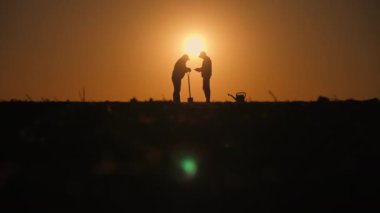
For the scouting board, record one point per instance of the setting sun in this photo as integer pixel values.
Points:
(193, 45)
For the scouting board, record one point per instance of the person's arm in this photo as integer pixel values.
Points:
(185, 70)
(200, 69)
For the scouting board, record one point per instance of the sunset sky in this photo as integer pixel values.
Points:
(119, 49)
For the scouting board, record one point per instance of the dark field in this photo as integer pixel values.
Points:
(269, 157)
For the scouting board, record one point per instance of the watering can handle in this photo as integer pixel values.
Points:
(241, 93)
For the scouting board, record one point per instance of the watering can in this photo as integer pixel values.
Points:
(239, 98)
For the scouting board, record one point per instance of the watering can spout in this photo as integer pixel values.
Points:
(232, 96)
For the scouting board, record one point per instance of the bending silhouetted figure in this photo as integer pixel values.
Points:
(180, 69)
(206, 71)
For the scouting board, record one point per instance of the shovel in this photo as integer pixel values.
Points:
(190, 99)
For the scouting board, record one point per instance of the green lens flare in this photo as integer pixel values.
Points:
(189, 166)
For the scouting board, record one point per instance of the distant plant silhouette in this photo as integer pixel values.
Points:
(323, 99)
(82, 95)
(133, 100)
(273, 96)
(28, 97)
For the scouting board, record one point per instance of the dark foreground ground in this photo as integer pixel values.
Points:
(269, 157)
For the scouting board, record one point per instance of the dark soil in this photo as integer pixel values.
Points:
(269, 157)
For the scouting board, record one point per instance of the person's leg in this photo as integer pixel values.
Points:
(206, 89)
(177, 90)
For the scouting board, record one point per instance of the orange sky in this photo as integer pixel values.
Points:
(122, 49)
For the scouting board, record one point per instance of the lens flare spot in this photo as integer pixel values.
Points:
(189, 167)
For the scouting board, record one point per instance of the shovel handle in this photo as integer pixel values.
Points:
(188, 82)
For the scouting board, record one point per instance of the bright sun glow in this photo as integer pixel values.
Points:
(193, 45)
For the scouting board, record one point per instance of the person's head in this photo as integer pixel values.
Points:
(185, 57)
(202, 55)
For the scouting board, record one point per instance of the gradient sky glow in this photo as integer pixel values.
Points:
(117, 49)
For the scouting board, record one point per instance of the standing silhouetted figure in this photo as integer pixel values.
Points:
(206, 71)
(180, 69)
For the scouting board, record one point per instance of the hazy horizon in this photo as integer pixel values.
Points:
(118, 50)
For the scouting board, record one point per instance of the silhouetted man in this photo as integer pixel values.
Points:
(180, 69)
(206, 71)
